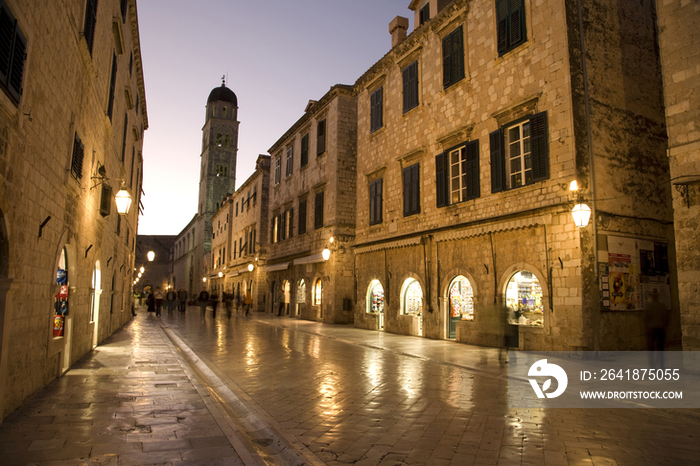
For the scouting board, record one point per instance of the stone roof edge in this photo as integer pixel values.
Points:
(315, 108)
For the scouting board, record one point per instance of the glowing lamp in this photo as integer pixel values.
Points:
(123, 200)
(326, 254)
(581, 214)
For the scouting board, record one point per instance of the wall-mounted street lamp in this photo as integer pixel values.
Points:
(151, 255)
(122, 198)
(250, 267)
(204, 279)
(221, 274)
(142, 269)
(326, 254)
(581, 212)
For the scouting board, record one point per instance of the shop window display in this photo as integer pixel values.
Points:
(301, 291)
(524, 300)
(375, 297)
(61, 299)
(412, 298)
(461, 296)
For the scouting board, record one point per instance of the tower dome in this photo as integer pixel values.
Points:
(222, 94)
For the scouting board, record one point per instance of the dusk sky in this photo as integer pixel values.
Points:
(277, 55)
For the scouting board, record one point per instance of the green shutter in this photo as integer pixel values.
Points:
(471, 168)
(497, 162)
(539, 147)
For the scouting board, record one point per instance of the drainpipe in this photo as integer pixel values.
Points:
(591, 167)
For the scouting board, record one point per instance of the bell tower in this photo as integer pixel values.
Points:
(217, 175)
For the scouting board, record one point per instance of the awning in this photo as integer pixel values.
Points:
(312, 259)
(276, 267)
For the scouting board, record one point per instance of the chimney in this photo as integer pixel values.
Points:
(397, 29)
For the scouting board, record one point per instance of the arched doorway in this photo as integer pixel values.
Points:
(287, 290)
(412, 303)
(460, 303)
(95, 292)
(301, 297)
(375, 302)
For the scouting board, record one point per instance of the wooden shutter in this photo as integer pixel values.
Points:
(304, 150)
(457, 55)
(497, 162)
(441, 180)
(19, 55)
(415, 189)
(321, 137)
(90, 21)
(502, 25)
(372, 207)
(7, 28)
(290, 223)
(539, 147)
(106, 200)
(13, 53)
(112, 85)
(283, 225)
(410, 86)
(126, 125)
(517, 23)
(447, 61)
(302, 217)
(318, 210)
(471, 168)
(376, 99)
(411, 190)
(76, 167)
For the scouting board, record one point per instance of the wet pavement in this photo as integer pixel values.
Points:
(186, 390)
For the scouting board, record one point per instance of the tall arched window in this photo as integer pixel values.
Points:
(524, 300)
(461, 299)
(411, 298)
(317, 292)
(375, 297)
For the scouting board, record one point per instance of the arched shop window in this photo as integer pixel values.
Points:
(524, 300)
(461, 296)
(375, 297)
(411, 298)
(301, 291)
(317, 292)
(61, 300)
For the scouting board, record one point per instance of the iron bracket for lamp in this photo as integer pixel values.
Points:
(43, 224)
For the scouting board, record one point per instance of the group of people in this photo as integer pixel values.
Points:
(212, 299)
(154, 300)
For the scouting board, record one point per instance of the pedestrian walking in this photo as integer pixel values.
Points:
(203, 301)
(248, 302)
(182, 296)
(151, 303)
(159, 296)
(214, 301)
(170, 300)
(228, 302)
(656, 316)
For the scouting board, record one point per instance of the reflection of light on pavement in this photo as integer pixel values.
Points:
(328, 392)
(373, 372)
(408, 388)
(219, 336)
(250, 358)
(315, 348)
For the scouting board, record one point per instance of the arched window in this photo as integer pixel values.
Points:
(375, 297)
(461, 299)
(317, 292)
(524, 300)
(411, 298)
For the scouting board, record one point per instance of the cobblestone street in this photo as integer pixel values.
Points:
(283, 391)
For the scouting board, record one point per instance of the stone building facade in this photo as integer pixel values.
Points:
(312, 208)
(239, 239)
(680, 58)
(72, 117)
(469, 133)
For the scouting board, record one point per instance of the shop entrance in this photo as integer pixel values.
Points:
(460, 304)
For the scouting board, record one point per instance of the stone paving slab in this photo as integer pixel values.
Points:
(353, 396)
(131, 401)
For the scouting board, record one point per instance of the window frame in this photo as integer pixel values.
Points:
(321, 130)
(304, 150)
(376, 202)
(409, 76)
(289, 162)
(411, 190)
(453, 58)
(376, 100)
(469, 174)
(301, 229)
(511, 30)
(278, 170)
(12, 76)
(318, 210)
(90, 24)
(539, 152)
